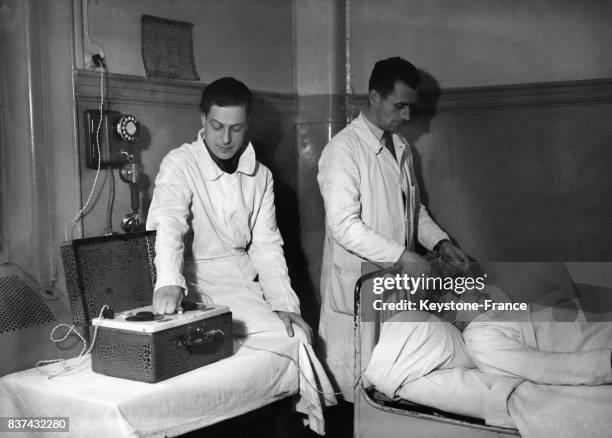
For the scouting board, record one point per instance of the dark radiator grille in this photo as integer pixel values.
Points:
(20, 306)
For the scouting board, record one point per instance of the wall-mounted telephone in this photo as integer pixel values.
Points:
(114, 137)
(116, 133)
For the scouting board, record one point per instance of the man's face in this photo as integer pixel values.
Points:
(392, 111)
(225, 129)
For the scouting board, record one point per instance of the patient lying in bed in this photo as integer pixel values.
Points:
(504, 365)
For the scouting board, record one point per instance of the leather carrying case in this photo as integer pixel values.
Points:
(119, 271)
(176, 344)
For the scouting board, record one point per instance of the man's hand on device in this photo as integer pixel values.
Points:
(167, 299)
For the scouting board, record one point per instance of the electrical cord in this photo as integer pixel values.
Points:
(286, 356)
(63, 367)
(73, 222)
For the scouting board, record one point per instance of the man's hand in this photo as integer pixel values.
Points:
(290, 318)
(167, 299)
(454, 256)
(413, 264)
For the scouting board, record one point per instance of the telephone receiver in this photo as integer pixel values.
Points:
(114, 136)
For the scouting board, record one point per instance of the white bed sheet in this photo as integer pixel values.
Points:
(464, 391)
(102, 406)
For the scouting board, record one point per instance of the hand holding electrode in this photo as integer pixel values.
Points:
(167, 300)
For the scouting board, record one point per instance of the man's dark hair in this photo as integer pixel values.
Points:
(225, 92)
(389, 70)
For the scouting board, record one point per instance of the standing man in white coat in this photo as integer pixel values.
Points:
(373, 212)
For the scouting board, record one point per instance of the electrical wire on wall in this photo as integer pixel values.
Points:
(69, 229)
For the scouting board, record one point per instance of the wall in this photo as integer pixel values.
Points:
(466, 43)
(251, 41)
(320, 82)
(521, 173)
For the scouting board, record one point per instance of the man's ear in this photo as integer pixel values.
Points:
(373, 96)
(203, 118)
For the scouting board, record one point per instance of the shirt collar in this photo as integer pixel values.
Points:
(209, 168)
(373, 134)
(378, 133)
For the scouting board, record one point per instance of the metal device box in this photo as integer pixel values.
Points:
(151, 351)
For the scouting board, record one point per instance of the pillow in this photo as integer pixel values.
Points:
(411, 345)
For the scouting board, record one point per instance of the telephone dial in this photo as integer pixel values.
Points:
(116, 133)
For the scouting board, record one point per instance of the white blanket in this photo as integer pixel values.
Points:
(464, 391)
(530, 345)
(562, 411)
(529, 364)
(566, 366)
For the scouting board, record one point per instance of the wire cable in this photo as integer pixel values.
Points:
(63, 367)
(73, 222)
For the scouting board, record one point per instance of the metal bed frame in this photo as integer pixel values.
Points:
(376, 415)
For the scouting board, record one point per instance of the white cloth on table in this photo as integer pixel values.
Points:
(103, 406)
(365, 220)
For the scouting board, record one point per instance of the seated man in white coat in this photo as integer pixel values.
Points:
(373, 212)
(217, 238)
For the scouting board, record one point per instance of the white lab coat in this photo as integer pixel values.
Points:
(228, 224)
(365, 221)
(223, 226)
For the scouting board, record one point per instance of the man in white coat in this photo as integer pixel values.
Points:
(373, 211)
(217, 238)
(217, 197)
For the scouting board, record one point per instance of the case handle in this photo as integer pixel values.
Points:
(203, 342)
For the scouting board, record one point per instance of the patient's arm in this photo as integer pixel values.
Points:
(497, 348)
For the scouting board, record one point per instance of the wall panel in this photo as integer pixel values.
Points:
(472, 43)
(519, 172)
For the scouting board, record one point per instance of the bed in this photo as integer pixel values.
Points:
(102, 406)
(451, 397)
